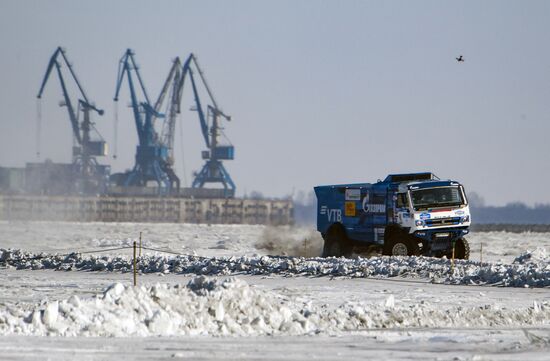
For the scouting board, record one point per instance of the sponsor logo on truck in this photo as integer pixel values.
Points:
(353, 194)
(349, 210)
(424, 216)
(333, 215)
(371, 207)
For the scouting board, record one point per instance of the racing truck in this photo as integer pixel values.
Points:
(403, 215)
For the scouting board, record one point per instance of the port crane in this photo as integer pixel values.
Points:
(173, 107)
(90, 176)
(213, 170)
(153, 161)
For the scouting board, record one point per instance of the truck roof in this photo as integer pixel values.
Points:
(414, 180)
(409, 177)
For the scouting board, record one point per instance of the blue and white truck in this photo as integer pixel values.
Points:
(405, 214)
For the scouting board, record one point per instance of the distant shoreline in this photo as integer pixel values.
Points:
(509, 227)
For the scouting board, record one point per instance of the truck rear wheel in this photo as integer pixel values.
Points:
(462, 249)
(337, 243)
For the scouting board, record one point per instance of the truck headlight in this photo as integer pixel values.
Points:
(466, 218)
(419, 223)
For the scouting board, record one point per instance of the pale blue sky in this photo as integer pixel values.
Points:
(320, 91)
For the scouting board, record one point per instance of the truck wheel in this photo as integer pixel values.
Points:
(400, 244)
(337, 243)
(399, 248)
(462, 249)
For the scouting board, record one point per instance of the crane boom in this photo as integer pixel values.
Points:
(82, 92)
(69, 105)
(210, 94)
(172, 75)
(169, 126)
(125, 68)
(73, 116)
(200, 111)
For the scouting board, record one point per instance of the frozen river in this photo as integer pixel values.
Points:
(300, 316)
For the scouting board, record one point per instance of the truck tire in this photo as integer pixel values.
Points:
(337, 244)
(399, 243)
(462, 249)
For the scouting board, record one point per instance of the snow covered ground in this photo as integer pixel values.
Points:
(221, 240)
(246, 305)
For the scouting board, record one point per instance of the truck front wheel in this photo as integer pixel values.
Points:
(462, 249)
(397, 243)
(337, 243)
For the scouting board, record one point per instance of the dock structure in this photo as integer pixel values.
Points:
(146, 209)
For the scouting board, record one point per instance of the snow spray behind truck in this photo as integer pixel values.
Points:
(405, 214)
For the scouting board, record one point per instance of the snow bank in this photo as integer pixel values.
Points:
(230, 307)
(530, 269)
(539, 255)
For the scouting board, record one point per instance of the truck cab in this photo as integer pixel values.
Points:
(405, 214)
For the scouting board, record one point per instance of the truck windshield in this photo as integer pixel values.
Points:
(436, 197)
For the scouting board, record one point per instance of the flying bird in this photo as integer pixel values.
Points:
(460, 59)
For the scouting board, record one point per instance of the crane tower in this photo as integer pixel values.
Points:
(88, 176)
(213, 171)
(153, 162)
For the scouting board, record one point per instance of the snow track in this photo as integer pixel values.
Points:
(531, 269)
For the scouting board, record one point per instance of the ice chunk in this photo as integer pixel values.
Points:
(49, 317)
(390, 302)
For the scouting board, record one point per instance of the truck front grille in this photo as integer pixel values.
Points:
(440, 244)
(442, 221)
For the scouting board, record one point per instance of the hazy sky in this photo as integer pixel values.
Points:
(320, 91)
